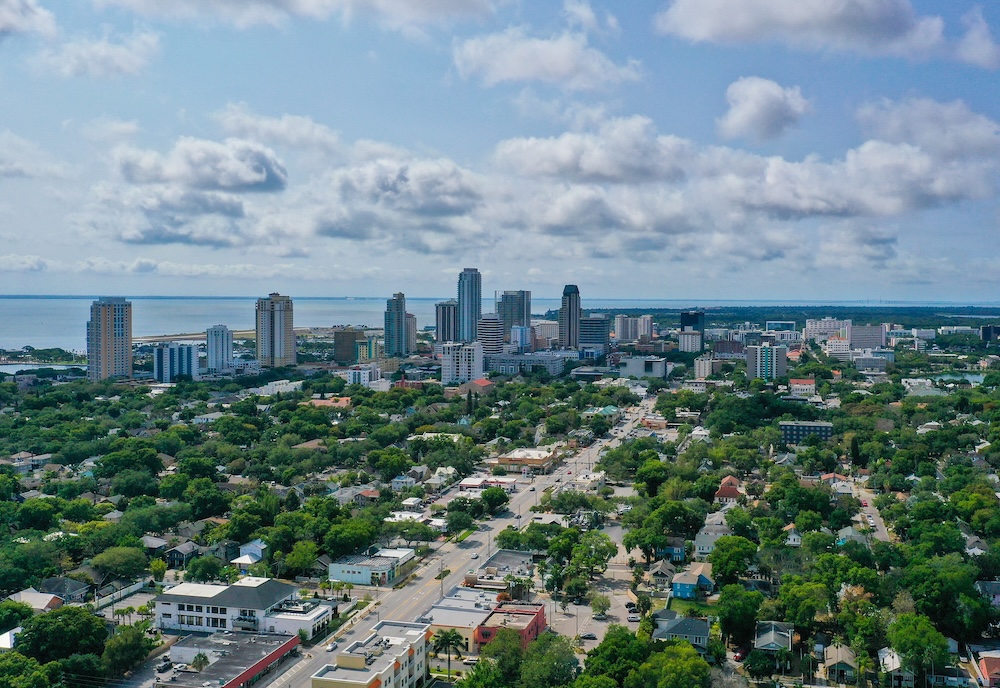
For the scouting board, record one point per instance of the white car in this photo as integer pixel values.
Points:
(332, 646)
(475, 555)
(634, 617)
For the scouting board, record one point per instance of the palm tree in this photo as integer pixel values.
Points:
(448, 641)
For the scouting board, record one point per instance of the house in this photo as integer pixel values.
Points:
(989, 669)
(693, 630)
(793, 538)
(727, 494)
(990, 590)
(951, 676)
(39, 601)
(851, 534)
(367, 496)
(675, 550)
(704, 541)
(891, 664)
(67, 589)
(179, 556)
(697, 578)
(661, 574)
(402, 482)
(153, 545)
(840, 663)
(772, 636)
(226, 550)
(190, 529)
(250, 553)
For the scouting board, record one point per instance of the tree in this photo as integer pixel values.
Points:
(549, 661)
(916, 640)
(678, 665)
(802, 600)
(651, 475)
(618, 654)
(12, 614)
(448, 641)
(731, 558)
(759, 665)
(737, 610)
(494, 498)
(158, 568)
(128, 647)
(506, 652)
(200, 661)
(132, 483)
(82, 671)
(600, 603)
(121, 562)
(302, 556)
(36, 514)
(592, 554)
(458, 521)
(647, 540)
(20, 671)
(202, 569)
(205, 498)
(60, 633)
(483, 675)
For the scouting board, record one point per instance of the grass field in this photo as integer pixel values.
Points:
(691, 607)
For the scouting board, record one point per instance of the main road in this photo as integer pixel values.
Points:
(414, 599)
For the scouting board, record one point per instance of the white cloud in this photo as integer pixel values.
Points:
(565, 60)
(875, 27)
(288, 130)
(850, 246)
(948, 130)
(977, 46)
(22, 158)
(394, 14)
(17, 263)
(760, 109)
(25, 16)
(101, 58)
(233, 165)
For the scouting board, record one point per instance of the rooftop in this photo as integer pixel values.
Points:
(376, 653)
(229, 653)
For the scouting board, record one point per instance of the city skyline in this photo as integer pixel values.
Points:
(696, 149)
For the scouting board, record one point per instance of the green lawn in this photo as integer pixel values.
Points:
(686, 607)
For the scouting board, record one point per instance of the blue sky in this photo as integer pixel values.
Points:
(801, 149)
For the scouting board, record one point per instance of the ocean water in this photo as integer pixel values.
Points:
(45, 322)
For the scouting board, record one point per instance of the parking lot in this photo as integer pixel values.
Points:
(579, 619)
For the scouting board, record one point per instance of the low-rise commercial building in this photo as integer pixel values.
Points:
(235, 660)
(393, 656)
(250, 604)
(528, 620)
(380, 567)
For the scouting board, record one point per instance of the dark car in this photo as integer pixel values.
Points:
(589, 636)
(630, 605)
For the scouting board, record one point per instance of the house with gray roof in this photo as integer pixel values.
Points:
(693, 630)
(772, 636)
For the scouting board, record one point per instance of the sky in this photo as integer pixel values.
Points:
(702, 149)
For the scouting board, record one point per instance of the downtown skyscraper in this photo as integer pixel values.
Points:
(470, 303)
(395, 326)
(109, 339)
(275, 332)
(569, 318)
(514, 309)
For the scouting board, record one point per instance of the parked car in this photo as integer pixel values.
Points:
(600, 617)
(470, 660)
(630, 605)
(634, 616)
(589, 636)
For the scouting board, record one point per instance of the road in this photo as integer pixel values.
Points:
(415, 599)
(879, 531)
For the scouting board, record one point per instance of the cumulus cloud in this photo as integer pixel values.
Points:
(977, 46)
(622, 150)
(102, 58)
(565, 60)
(851, 246)
(288, 130)
(12, 262)
(25, 16)
(760, 109)
(395, 14)
(234, 165)
(22, 158)
(874, 27)
(948, 130)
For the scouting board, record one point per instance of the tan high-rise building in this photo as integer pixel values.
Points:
(275, 332)
(109, 339)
